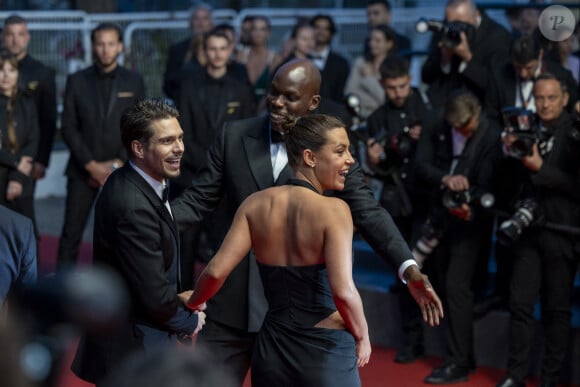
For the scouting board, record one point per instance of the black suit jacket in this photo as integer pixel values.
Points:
(200, 127)
(490, 44)
(135, 236)
(239, 164)
(334, 76)
(175, 61)
(502, 88)
(92, 131)
(39, 81)
(477, 162)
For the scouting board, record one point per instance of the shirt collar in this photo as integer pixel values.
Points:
(157, 185)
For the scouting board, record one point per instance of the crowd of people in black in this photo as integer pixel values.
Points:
(482, 160)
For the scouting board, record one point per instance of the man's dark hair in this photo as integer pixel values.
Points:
(14, 19)
(136, 120)
(394, 66)
(385, 3)
(107, 26)
(331, 23)
(525, 48)
(217, 33)
(552, 77)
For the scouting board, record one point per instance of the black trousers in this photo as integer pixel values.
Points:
(228, 348)
(544, 267)
(465, 244)
(79, 201)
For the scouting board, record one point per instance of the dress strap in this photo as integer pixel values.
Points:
(302, 183)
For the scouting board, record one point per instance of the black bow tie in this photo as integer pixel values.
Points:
(277, 137)
(315, 57)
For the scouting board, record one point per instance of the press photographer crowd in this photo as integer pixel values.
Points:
(481, 161)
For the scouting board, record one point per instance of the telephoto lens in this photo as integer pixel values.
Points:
(511, 229)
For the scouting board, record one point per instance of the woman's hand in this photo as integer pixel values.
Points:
(363, 351)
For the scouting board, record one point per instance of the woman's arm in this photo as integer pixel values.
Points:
(236, 246)
(338, 257)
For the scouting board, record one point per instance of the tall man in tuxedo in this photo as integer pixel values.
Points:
(90, 128)
(248, 156)
(209, 96)
(136, 236)
(333, 67)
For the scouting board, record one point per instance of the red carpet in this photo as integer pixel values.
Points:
(380, 372)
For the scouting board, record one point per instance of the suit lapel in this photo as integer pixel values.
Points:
(257, 148)
(152, 197)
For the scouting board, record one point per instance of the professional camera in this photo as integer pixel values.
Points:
(454, 199)
(400, 143)
(525, 215)
(450, 31)
(429, 240)
(522, 124)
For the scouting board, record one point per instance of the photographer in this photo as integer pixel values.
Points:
(456, 160)
(512, 85)
(545, 260)
(394, 130)
(512, 81)
(464, 61)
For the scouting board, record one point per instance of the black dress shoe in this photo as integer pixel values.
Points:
(508, 381)
(409, 354)
(447, 374)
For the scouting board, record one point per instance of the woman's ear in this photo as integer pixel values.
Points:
(309, 158)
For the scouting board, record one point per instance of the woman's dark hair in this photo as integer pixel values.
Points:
(300, 24)
(7, 57)
(307, 132)
(136, 120)
(388, 33)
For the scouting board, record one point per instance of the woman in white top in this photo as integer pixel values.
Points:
(364, 77)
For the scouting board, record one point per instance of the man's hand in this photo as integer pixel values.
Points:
(462, 50)
(25, 165)
(38, 171)
(455, 183)
(184, 296)
(415, 132)
(424, 294)
(99, 171)
(200, 322)
(535, 161)
(374, 151)
(13, 190)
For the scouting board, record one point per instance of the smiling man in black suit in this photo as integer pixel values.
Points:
(136, 236)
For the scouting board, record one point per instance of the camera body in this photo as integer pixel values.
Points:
(450, 31)
(522, 124)
(511, 229)
(427, 242)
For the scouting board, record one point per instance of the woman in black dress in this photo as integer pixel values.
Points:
(19, 136)
(315, 332)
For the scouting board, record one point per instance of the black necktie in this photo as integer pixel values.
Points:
(165, 194)
(277, 137)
